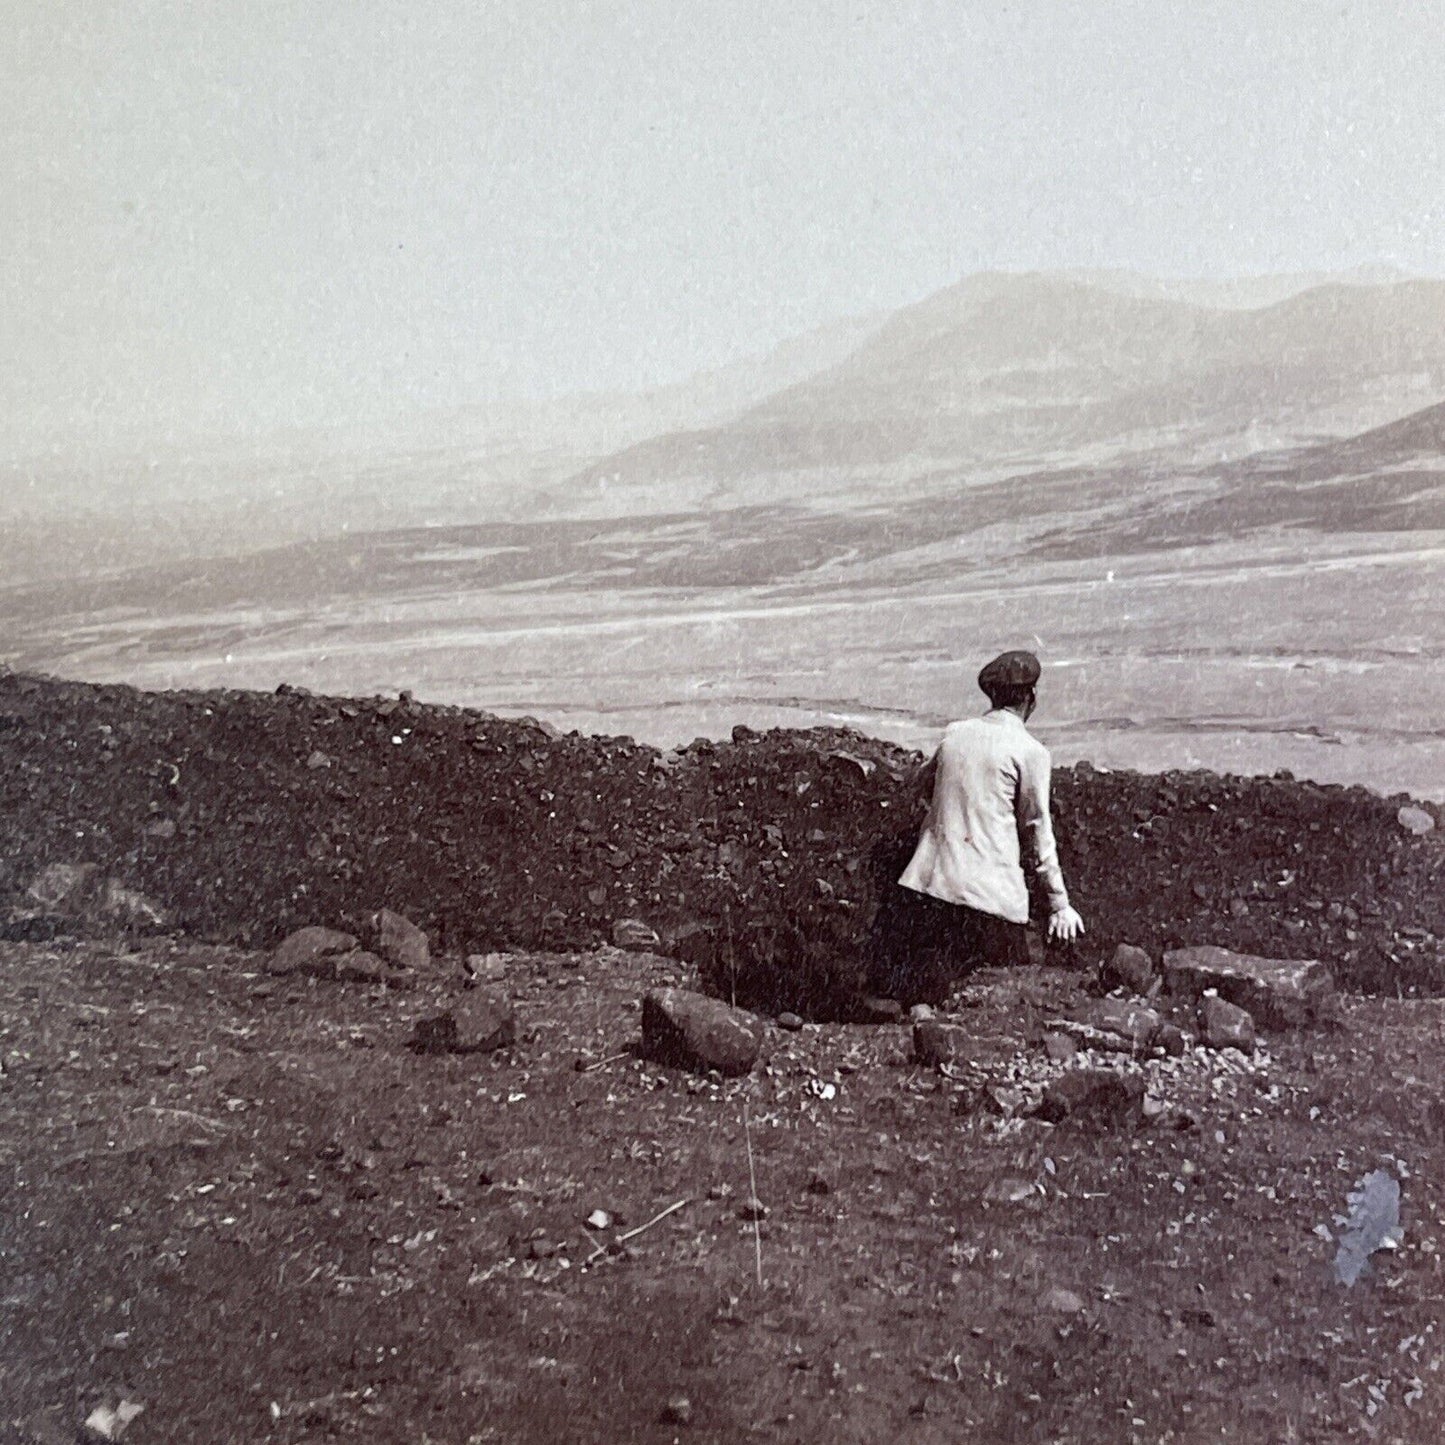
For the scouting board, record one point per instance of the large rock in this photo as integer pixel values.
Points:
(693, 1031)
(401, 943)
(1114, 1025)
(312, 951)
(477, 1023)
(1281, 993)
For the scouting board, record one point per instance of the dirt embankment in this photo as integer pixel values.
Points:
(763, 858)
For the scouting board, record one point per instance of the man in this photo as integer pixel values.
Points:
(969, 900)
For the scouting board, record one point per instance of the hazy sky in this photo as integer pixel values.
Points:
(234, 215)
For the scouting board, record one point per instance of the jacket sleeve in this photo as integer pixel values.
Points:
(1036, 830)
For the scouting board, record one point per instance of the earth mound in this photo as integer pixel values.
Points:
(763, 860)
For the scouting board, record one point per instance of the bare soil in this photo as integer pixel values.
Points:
(247, 1205)
(248, 815)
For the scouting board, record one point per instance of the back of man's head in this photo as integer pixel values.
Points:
(1007, 694)
(1009, 680)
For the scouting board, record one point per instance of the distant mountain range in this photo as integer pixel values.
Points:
(1041, 370)
(1000, 375)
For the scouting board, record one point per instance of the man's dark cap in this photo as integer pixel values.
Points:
(1010, 669)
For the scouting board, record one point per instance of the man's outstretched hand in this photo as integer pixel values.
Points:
(1065, 925)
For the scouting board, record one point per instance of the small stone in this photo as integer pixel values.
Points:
(1134, 1023)
(1171, 1039)
(599, 1219)
(311, 951)
(752, 1208)
(400, 942)
(1060, 1048)
(921, 1013)
(1225, 1025)
(1415, 820)
(487, 967)
(634, 934)
(874, 1010)
(1130, 968)
(936, 1044)
(318, 760)
(1062, 1301)
(130, 908)
(107, 1423)
(1009, 1191)
(66, 887)
(476, 1023)
(790, 1021)
(1004, 1102)
(677, 1411)
(359, 967)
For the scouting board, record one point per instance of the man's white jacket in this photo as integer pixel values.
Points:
(990, 808)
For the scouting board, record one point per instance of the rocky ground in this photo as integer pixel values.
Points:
(390, 1183)
(764, 858)
(247, 1204)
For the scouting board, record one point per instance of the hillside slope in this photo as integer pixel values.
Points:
(252, 814)
(1028, 367)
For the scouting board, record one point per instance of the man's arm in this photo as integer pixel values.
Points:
(924, 777)
(1036, 833)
